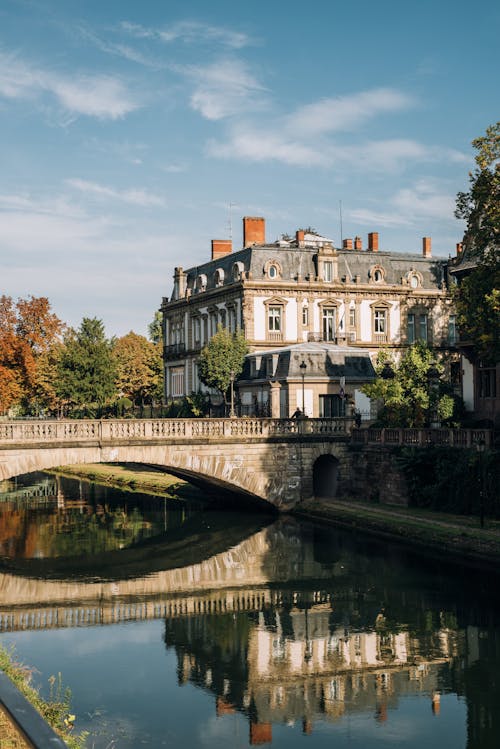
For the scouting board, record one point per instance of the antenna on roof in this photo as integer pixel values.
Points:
(340, 216)
(230, 220)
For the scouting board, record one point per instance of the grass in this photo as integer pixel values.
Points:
(131, 477)
(55, 710)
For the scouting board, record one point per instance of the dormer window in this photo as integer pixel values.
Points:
(377, 274)
(414, 279)
(201, 282)
(219, 277)
(272, 269)
(238, 269)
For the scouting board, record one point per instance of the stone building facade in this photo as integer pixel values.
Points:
(301, 290)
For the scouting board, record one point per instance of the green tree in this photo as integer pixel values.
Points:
(138, 368)
(86, 371)
(413, 392)
(155, 328)
(477, 298)
(221, 360)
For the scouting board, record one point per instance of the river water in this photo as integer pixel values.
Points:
(176, 625)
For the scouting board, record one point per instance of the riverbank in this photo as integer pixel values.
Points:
(459, 536)
(131, 477)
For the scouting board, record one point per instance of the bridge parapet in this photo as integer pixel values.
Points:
(114, 430)
(424, 437)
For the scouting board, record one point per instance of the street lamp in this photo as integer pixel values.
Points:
(231, 412)
(303, 367)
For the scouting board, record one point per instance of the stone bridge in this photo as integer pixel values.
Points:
(275, 461)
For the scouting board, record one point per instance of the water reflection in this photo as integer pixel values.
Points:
(292, 625)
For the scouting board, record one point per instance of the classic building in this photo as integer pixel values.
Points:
(303, 290)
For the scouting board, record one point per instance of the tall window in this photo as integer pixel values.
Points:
(487, 382)
(331, 406)
(274, 319)
(422, 327)
(452, 329)
(177, 382)
(410, 328)
(380, 321)
(328, 324)
(305, 316)
(327, 270)
(352, 317)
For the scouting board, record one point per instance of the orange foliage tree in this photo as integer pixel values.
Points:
(29, 330)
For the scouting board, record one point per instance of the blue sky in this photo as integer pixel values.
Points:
(130, 132)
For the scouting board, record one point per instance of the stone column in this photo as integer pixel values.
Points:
(274, 392)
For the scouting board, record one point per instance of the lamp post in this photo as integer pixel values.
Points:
(303, 367)
(231, 412)
(480, 445)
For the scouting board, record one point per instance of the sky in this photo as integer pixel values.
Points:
(133, 133)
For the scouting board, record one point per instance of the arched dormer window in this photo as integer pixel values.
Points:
(415, 279)
(377, 274)
(272, 269)
(238, 270)
(201, 282)
(219, 277)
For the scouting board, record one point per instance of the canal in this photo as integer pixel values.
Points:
(177, 625)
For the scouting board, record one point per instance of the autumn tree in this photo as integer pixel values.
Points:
(138, 365)
(477, 297)
(221, 360)
(28, 332)
(86, 371)
(414, 392)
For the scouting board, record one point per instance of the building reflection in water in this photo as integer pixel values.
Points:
(298, 663)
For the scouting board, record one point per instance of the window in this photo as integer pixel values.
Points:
(331, 406)
(352, 317)
(422, 327)
(273, 271)
(274, 319)
(377, 276)
(328, 324)
(327, 270)
(487, 382)
(305, 316)
(379, 319)
(377, 273)
(196, 329)
(452, 330)
(414, 282)
(410, 328)
(177, 382)
(219, 277)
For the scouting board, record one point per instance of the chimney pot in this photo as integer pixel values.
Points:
(373, 241)
(426, 247)
(358, 244)
(254, 230)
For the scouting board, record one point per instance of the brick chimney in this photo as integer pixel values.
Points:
(373, 241)
(358, 243)
(221, 247)
(347, 244)
(426, 247)
(300, 238)
(254, 230)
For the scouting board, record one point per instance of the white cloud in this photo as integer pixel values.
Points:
(136, 196)
(223, 89)
(257, 145)
(346, 112)
(190, 32)
(98, 96)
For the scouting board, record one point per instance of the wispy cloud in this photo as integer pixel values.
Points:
(223, 89)
(346, 112)
(121, 50)
(136, 196)
(100, 96)
(189, 32)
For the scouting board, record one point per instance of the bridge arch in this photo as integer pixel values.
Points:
(326, 476)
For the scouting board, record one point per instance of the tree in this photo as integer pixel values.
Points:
(155, 328)
(138, 368)
(221, 360)
(477, 298)
(86, 371)
(28, 332)
(412, 393)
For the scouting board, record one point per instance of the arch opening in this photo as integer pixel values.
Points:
(325, 476)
